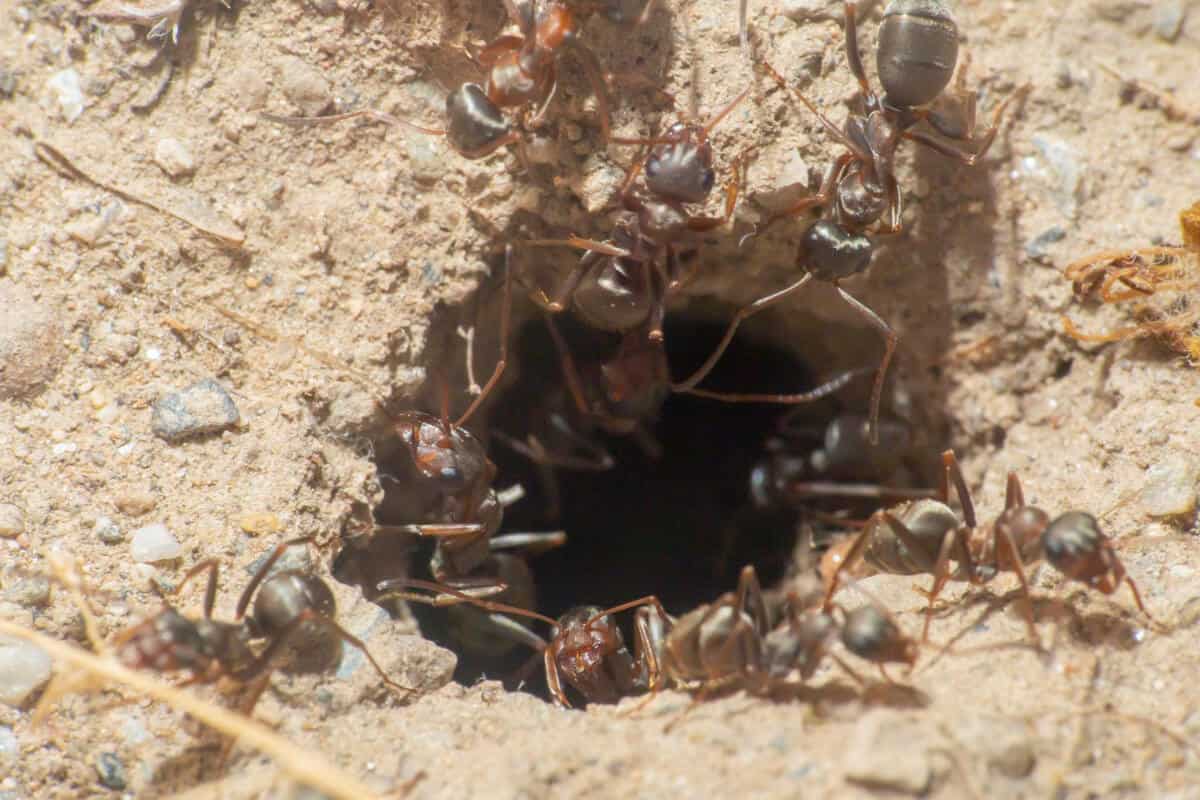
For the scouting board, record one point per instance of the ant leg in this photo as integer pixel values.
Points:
(553, 680)
(444, 595)
(749, 596)
(1002, 533)
(852, 556)
(595, 76)
(210, 589)
(649, 636)
(835, 384)
(505, 323)
(832, 129)
(873, 491)
(953, 472)
(941, 571)
(743, 26)
(732, 190)
(598, 460)
(245, 706)
(1014, 495)
(821, 198)
(1137, 598)
(261, 573)
(309, 615)
(890, 347)
(743, 313)
(949, 150)
(535, 543)
(853, 54)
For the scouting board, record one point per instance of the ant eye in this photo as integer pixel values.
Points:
(653, 166)
(707, 181)
(450, 475)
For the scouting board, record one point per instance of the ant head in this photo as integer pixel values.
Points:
(449, 455)
(285, 596)
(681, 169)
(587, 636)
(555, 26)
(1072, 539)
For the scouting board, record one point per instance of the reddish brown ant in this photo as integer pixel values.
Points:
(288, 606)
(721, 644)
(521, 74)
(445, 486)
(917, 53)
(923, 537)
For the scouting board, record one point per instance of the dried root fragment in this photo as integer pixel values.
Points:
(1161, 282)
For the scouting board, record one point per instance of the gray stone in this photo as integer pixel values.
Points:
(107, 531)
(1039, 246)
(1059, 168)
(10, 748)
(111, 771)
(12, 521)
(8, 81)
(198, 410)
(30, 343)
(154, 543)
(1170, 487)
(1005, 744)
(24, 668)
(31, 591)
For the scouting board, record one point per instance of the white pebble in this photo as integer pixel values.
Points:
(12, 521)
(1170, 487)
(24, 668)
(174, 158)
(10, 748)
(154, 543)
(66, 86)
(107, 531)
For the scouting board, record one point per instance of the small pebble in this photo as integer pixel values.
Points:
(10, 748)
(135, 504)
(1170, 487)
(801, 10)
(297, 559)
(601, 180)
(1039, 246)
(890, 751)
(8, 81)
(12, 521)
(30, 591)
(65, 86)
(1168, 19)
(173, 158)
(24, 668)
(304, 86)
(111, 771)
(200, 409)
(1059, 168)
(30, 342)
(154, 543)
(107, 531)
(259, 523)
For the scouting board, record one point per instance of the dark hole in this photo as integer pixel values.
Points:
(680, 527)
(1063, 368)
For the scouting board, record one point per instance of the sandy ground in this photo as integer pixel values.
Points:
(346, 239)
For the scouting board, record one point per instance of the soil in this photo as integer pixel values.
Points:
(350, 253)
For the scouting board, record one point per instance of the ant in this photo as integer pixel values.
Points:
(922, 537)
(620, 395)
(288, 605)
(521, 73)
(585, 649)
(726, 642)
(917, 54)
(836, 460)
(621, 284)
(445, 487)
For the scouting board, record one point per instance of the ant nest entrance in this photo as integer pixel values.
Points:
(675, 503)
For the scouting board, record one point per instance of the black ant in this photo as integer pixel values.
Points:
(924, 536)
(917, 54)
(288, 606)
(521, 73)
